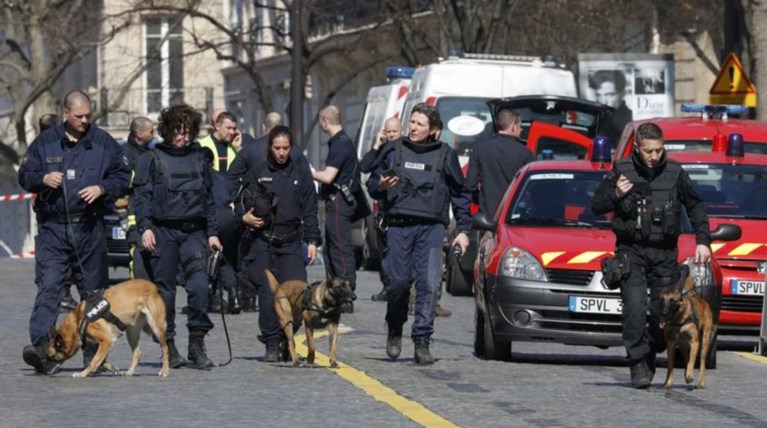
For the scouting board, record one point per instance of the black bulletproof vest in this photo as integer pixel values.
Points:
(179, 186)
(653, 218)
(422, 191)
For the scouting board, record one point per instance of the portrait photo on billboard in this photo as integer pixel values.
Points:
(610, 87)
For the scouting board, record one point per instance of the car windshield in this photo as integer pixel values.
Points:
(731, 190)
(557, 198)
(466, 121)
(562, 199)
(705, 146)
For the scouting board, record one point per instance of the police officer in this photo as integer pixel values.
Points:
(495, 162)
(279, 208)
(419, 178)
(77, 170)
(177, 222)
(228, 233)
(224, 140)
(142, 131)
(646, 193)
(339, 183)
(241, 172)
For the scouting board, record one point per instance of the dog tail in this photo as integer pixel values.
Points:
(271, 280)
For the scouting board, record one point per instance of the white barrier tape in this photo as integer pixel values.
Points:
(17, 197)
(27, 255)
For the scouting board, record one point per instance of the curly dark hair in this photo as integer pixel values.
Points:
(180, 116)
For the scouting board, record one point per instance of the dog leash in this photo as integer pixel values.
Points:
(213, 262)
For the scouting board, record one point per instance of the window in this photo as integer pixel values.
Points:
(165, 64)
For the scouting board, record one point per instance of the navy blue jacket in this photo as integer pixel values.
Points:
(96, 159)
(296, 198)
(253, 153)
(460, 197)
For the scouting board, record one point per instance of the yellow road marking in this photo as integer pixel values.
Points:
(753, 357)
(413, 410)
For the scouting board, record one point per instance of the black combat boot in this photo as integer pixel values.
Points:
(422, 354)
(174, 357)
(380, 296)
(214, 303)
(650, 360)
(197, 350)
(394, 342)
(249, 304)
(234, 303)
(272, 354)
(36, 356)
(641, 376)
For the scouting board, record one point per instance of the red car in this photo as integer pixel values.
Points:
(537, 274)
(733, 182)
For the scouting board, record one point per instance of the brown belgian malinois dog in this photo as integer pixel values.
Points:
(137, 306)
(687, 322)
(317, 305)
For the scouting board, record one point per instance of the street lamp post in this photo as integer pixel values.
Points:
(297, 74)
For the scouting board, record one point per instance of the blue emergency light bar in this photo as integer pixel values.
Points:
(399, 72)
(547, 154)
(709, 110)
(602, 149)
(735, 146)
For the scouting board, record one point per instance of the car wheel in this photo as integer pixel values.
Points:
(457, 283)
(492, 348)
(479, 333)
(371, 250)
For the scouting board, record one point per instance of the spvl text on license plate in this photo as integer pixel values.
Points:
(595, 305)
(746, 288)
(118, 233)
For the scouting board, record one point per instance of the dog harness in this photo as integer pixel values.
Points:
(96, 307)
(309, 305)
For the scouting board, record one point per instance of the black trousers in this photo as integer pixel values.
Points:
(651, 268)
(339, 249)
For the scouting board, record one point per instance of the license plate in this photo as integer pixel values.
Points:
(118, 233)
(595, 305)
(746, 288)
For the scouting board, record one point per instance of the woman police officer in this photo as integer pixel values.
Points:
(279, 209)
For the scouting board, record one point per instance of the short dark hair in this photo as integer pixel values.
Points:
(177, 117)
(506, 117)
(615, 76)
(47, 121)
(225, 115)
(649, 131)
(430, 112)
(138, 124)
(278, 131)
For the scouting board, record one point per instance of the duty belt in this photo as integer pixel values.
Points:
(406, 221)
(71, 218)
(281, 238)
(182, 225)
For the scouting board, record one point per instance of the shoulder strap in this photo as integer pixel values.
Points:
(441, 158)
(398, 154)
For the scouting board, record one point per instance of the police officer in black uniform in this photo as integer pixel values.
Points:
(646, 193)
(340, 182)
(77, 170)
(279, 208)
(419, 177)
(177, 222)
(142, 131)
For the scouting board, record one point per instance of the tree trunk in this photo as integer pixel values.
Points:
(757, 17)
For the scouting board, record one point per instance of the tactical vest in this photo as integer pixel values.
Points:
(654, 219)
(422, 191)
(179, 187)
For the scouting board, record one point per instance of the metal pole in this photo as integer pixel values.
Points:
(763, 329)
(297, 77)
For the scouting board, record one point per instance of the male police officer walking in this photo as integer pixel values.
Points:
(646, 193)
(419, 177)
(76, 169)
(176, 216)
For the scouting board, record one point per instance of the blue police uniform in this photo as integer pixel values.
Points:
(277, 245)
(172, 197)
(416, 218)
(338, 210)
(70, 232)
(228, 232)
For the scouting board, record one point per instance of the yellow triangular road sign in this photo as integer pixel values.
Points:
(732, 80)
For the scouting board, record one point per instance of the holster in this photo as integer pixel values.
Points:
(615, 270)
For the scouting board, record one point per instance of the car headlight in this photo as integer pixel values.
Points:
(702, 275)
(518, 263)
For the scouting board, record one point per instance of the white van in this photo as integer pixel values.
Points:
(382, 102)
(460, 88)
